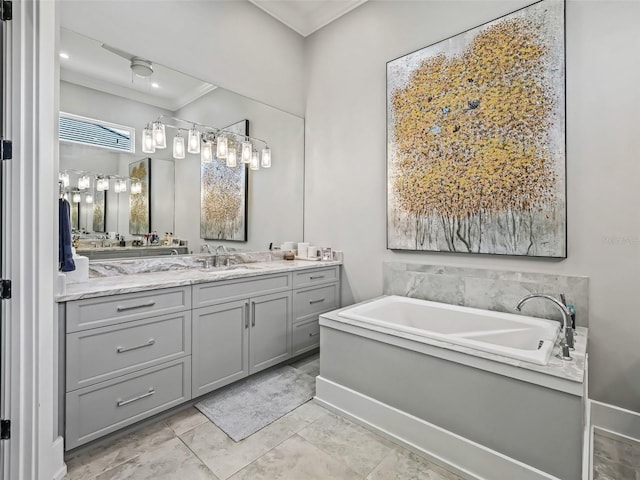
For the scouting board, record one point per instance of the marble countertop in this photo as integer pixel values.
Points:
(117, 284)
(573, 370)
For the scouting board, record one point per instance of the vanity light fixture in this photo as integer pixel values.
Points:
(222, 147)
(76, 197)
(206, 153)
(84, 182)
(247, 149)
(136, 187)
(159, 136)
(63, 177)
(194, 141)
(88, 198)
(102, 184)
(148, 145)
(178, 146)
(232, 156)
(266, 157)
(120, 186)
(254, 164)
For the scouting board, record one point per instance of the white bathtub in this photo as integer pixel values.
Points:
(517, 336)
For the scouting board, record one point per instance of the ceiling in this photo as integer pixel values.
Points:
(307, 16)
(92, 66)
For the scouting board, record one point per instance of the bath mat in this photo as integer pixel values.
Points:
(245, 407)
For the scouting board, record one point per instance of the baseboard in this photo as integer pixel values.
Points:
(615, 419)
(58, 447)
(466, 458)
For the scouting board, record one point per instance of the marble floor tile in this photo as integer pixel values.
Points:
(101, 458)
(357, 447)
(299, 364)
(225, 456)
(185, 420)
(616, 449)
(169, 461)
(311, 368)
(402, 464)
(296, 459)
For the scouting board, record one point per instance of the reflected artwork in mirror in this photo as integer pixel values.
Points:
(139, 211)
(99, 211)
(223, 196)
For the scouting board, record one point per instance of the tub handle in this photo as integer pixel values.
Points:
(320, 300)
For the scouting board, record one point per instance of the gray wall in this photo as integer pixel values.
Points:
(346, 167)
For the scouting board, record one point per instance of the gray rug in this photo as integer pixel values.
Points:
(247, 406)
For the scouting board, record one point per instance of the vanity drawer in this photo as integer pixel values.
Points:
(206, 294)
(103, 311)
(306, 336)
(95, 411)
(103, 353)
(312, 301)
(315, 276)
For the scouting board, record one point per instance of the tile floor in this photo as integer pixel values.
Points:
(308, 443)
(615, 457)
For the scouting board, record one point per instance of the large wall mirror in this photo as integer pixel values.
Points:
(98, 83)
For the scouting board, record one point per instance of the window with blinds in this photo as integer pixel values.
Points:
(89, 131)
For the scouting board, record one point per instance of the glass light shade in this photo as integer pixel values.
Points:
(147, 141)
(120, 186)
(159, 137)
(206, 154)
(64, 178)
(222, 147)
(254, 164)
(247, 148)
(102, 184)
(178, 147)
(84, 182)
(266, 157)
(194, 141)
(232, 157)
(136, 187)
(88, 198)
(76, 197)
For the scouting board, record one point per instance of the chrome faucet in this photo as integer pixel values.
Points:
(567, 341)
(205, 248)
(173, 252)
(225, 251)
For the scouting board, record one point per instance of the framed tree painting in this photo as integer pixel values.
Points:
(223, 196)
(100, 211)
(476, 139)
(139, 206)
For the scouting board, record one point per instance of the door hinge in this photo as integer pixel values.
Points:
(6, 149)
(5, 429)
(7, 10)
(5, 289)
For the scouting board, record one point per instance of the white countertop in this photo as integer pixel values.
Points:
(117, 284)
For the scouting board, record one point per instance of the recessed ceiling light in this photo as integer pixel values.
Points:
(64, 55)
(155, 85)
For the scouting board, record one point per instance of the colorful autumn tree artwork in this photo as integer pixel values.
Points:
(476, 140)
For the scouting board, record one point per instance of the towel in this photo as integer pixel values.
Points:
(65, 255)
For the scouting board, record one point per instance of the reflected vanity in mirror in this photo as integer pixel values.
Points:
(98, 84)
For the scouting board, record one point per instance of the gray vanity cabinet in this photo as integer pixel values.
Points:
(244, 328)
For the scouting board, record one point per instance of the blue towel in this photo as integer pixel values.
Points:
(65, 255)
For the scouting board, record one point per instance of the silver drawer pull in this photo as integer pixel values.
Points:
(316, 277)
(122, 403)
(133, 307)
(311, 302)
(128, 349)
(314, 334)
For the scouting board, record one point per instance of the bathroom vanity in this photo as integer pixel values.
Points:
(136, 345)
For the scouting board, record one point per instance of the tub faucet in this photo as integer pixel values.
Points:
(567, 341)
(217, 259)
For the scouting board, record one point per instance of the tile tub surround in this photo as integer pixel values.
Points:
(139, 282)
(498, 290)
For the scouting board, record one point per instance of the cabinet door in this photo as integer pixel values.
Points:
(220, 346)
(270, 339)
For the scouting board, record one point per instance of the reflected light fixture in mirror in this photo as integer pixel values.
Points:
(232, 156)
(148, 145)
(254, 164)
(194, 140)
(206, 153)
(136, 187)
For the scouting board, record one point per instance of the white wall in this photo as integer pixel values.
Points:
(232, 44)
(346, 136)
(275, 195)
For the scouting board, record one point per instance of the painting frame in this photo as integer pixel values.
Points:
(140, 203)
(99, 216)
(224, 196)
(432, 181)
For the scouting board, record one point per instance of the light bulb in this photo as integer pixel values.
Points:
(76, 198)
(254, 164)
(64, 178)
(232, 156)
(148, 145)
(136, 187)
(120, 186)
(266, 157)
(102, 184)
(84, 182)
(222, 148)
(247, 148)
(159, 137)
(178, 146)
(88, 198)
(194, 140)
(206, 154)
